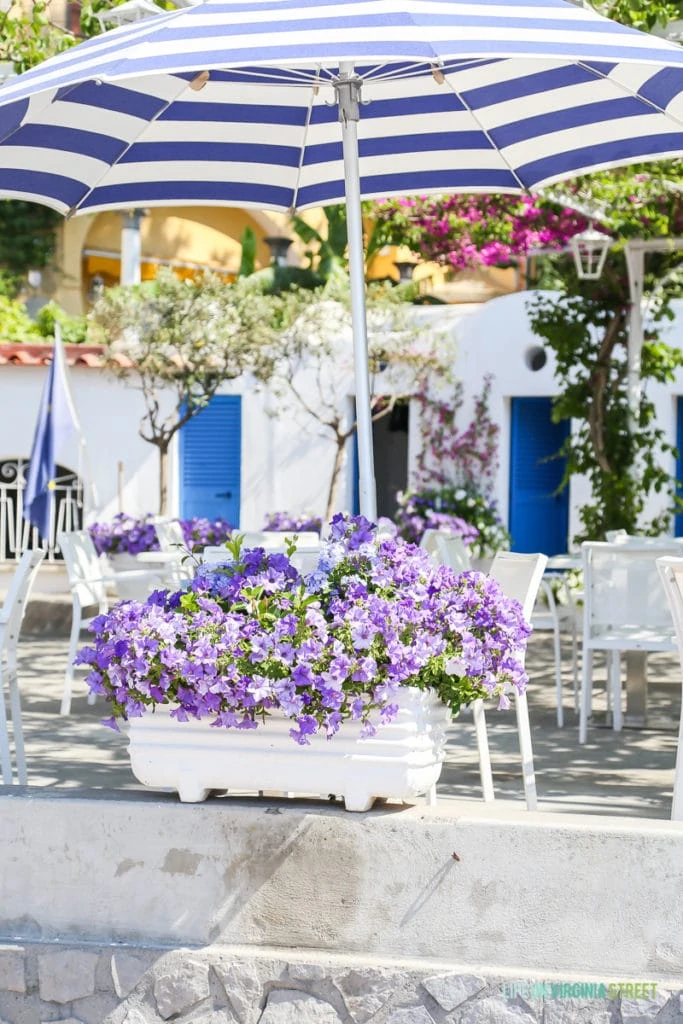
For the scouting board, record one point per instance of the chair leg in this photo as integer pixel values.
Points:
(5, 761)
(575, 648)
(614, 687)
(483, 749)
(17, 727)
(73, 647)
(558, 673)
(677, 802)
(524, 730)
(586, 693)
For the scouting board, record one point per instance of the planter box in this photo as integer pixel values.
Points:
(402, 761)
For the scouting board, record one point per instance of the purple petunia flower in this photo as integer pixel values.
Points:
(252, 638)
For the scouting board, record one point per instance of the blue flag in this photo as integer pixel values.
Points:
(56, 422)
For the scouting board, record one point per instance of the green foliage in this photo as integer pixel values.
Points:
(248, 257)
(181, 339)
(90, 25)
(27, 35)
(587, 329)
(73, 328)
(28, 238)
(15, 323)
(640, 14)
(189, 336)
(274, 279)
(330, 256)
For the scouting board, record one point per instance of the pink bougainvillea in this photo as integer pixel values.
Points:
(461, 231)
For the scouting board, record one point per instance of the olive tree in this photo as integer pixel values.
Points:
(179, 340)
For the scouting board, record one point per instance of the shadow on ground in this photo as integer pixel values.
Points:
(627, 773)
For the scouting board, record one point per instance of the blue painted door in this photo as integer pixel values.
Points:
(678, 522)
(210, 450)
(539, 518)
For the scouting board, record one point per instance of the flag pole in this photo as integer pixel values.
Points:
(84, 468)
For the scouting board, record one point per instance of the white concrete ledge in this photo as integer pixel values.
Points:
(548, 893)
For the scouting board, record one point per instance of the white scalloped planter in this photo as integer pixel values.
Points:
(402, 761)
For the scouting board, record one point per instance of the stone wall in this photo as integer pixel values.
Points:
(133, 908)
(235, 986)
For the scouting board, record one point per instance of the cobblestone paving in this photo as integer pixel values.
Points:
(630, 773)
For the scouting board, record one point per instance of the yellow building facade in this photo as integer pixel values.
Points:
(193, 238)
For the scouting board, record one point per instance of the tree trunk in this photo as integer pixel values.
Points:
(334, 482)
(163, 480)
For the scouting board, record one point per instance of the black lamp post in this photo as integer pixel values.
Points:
(405, 270)
(278, 245)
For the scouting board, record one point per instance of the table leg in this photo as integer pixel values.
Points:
(636, 689)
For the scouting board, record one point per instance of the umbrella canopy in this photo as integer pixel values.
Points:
(237, 102)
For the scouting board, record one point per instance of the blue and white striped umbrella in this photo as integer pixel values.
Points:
(461, 95)
(238, 102)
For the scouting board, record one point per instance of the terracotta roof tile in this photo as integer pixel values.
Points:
(28, 354)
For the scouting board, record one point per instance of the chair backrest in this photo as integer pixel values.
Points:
(451, 551)
(671, 574)
(14, 605)
(170, 536)
(520, 577)
(83, 567)
(622, 587)
(639, 540)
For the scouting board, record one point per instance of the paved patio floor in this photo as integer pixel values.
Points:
(627, 773)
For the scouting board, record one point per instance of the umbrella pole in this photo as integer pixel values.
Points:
(348, 88)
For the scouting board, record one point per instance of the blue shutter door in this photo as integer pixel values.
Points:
(678, 521)
(538, 519)
(210, 455)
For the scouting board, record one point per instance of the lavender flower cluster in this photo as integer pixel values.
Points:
(284, 522)
(461, 510)
(125, 533)
(134, 534)
(200, 532)
(252, 637)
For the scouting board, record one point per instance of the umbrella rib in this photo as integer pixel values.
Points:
(630, 92)
(485, 132)
(302, 152)
(143, 129)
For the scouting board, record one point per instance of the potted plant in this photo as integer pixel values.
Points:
(340, 682)
(123, 538)
(464, 511)
(126, 536)
(286, 522)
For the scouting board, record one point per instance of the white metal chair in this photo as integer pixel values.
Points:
(88, 585)
(446, 549)
(11, 617)
(550, 614)
(624, 609)
(519, 576)
(671, 574)
(170, 536)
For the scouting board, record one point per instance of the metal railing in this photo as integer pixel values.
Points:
(16, 533)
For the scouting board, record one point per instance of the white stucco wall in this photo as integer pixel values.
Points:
(494, 338)
(287, 459)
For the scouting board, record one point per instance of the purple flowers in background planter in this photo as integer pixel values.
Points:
(202, 533)
(125, 535)
(462, 510)
(252, 638)
(283, 522)
(132, 535)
